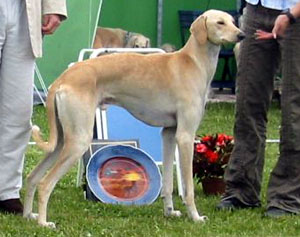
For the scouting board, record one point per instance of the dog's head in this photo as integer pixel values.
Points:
(217, 27)
(138, 41)
(168, 48)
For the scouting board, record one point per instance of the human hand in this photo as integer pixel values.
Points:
(50, 23)
(280, 25)
(263, 35)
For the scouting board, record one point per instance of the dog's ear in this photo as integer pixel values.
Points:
(148, 43)
(135, 42)
(132, 42)
(199, 30)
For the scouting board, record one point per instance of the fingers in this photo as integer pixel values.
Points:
(263, 35)
(278, 30)
(50, 23)
(275, 31)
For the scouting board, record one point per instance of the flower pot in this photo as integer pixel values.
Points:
(213, 186)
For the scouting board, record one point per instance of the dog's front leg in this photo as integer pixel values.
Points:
(185, 146)
(169, 144)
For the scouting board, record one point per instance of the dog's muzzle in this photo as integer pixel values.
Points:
(241, 36)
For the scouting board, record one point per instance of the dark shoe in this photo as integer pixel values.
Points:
(12, 206)
(274, 212)
(233, 204)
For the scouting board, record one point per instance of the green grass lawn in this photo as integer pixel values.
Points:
(74, 216)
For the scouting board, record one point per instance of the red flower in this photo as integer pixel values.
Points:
(229, 138)
(212, 156)
(201, 148)
(206, 139)
(221, 139)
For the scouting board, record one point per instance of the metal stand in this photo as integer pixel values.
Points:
(42, 84)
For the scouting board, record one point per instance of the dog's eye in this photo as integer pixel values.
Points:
(221, 22)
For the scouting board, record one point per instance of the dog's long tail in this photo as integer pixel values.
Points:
(52, 120)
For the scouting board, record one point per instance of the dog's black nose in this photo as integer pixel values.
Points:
(241, 36)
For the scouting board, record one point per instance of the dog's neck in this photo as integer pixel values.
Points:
(200, 51)
(205, 54)
(127, 37)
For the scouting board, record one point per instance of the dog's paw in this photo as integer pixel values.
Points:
(176, 213)
(171, 213)
(200, 218)
(32, 216)
(35, 128)
(48, 225)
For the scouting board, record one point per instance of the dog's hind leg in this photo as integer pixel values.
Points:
(73, 150)
(34, 178)
(39, 171)
(169, 144)
(77, 121)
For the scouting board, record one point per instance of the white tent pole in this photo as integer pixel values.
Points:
(96, 25)
(39, 95)
(40, 78)
(81, 58)
(159, 22)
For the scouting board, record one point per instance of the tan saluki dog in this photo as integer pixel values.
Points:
(168, 90)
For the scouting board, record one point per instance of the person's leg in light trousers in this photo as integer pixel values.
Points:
(16, 89)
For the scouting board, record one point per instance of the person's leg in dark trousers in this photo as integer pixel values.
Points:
(258, 63)
(284, 184)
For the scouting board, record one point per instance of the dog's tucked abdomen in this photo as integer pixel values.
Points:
(154, 116)
(150, 112)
